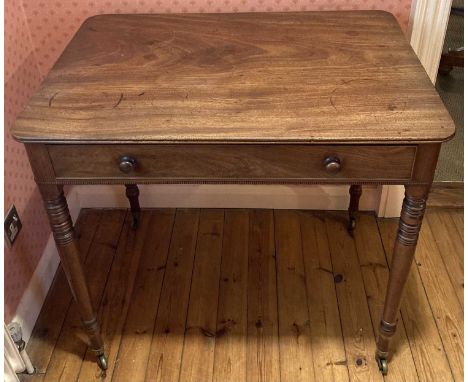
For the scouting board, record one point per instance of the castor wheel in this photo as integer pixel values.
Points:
(383, 365)
(135, 222)
(351, 225)
(102, 362)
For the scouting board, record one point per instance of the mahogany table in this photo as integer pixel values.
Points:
(268, 98)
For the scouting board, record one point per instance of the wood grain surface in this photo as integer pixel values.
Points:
(296, 271)
(294, 325)
(133, 355)
(56, 306)
(170, 163)
(263, 77)
(356, 322)
(62, 367)
(230, 362)
(165, 354)
(447, 195)
(375, 273)
(430, 356)
(199, 345)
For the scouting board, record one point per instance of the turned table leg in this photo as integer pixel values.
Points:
(411, 217)
(62, 229)
(132, 193)
(355, 192)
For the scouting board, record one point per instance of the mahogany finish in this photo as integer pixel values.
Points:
(248, 77)
(132, 192)
(410, 223)
(64, 236)
(312, 97)
(355, 192)
(172, 163)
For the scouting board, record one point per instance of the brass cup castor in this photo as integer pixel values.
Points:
(102, 361)
(383, 365)
(351, 224)
(135, 222)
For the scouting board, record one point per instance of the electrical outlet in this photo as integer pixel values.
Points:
(12, 226)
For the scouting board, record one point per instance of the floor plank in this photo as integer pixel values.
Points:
(134, 349)
(450, 247)
(198, 352)
(375, 272)
(262, 326)
(231, 330)
(443, 299)
(457, 217)
(71, 346)
(418, 320)
(116, 300)
(54, 311)
(293, 312)
(254, 295)
(168, 336)
(446, 195)
(356, 322)
(329, 356)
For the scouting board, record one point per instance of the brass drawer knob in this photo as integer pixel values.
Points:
(332, 164)
(127, 164)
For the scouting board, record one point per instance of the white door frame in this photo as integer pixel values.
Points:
(427, 27)
(426, 31)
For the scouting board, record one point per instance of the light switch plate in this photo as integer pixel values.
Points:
(12, 226)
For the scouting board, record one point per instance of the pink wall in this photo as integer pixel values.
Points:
(36, 32)
(22, 77)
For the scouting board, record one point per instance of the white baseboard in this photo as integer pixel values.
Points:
(182, 196)
(391, 199)
(230, 196)
(33, 298)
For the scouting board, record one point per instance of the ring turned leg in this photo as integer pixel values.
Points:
(132, 193)
(411, 217)
(355, 192)
(62, 229)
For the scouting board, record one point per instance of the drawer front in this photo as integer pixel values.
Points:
(213, 162)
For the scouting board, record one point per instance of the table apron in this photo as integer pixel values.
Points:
(230, 164)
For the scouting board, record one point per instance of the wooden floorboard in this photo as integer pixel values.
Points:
(132, 358)
(329, 355)
(198, 351)
(446, 195)
(295, 338)
(442, 297)
(70, 349)
(374, 270)
(450, 246)
(356, 322)
(457, 217)
(417, 317)
(114, 307)
(50, 321)
(262, 304)
(231, 328)
(168, 336)
(254, 295)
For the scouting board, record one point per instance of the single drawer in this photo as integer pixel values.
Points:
(232, 162)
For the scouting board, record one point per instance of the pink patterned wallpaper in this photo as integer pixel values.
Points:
(22, 77)
(36, 32)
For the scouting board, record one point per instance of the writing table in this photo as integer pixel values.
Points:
(268, 98)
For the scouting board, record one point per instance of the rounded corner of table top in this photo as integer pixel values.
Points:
(450, 134)
(42, 121)
(18, 136)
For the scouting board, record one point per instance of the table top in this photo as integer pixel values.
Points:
(245, 77)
